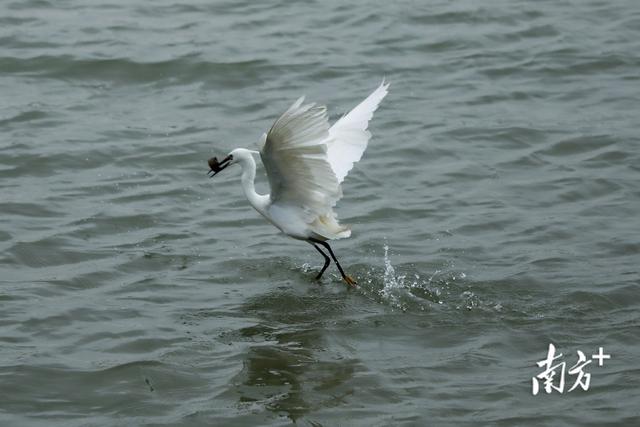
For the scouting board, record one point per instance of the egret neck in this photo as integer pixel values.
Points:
(248, 165)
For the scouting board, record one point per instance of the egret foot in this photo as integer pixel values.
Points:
(350, 281)
(345, 277)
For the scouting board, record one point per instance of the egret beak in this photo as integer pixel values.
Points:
(216, 166)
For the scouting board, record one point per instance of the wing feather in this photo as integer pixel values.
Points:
(349, 135)
(295, 158)
(306, 159)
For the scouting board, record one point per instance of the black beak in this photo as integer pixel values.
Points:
(216, 166)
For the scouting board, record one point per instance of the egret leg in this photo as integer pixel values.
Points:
(327, 261)
(345, 277)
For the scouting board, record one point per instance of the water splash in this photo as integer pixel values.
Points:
(402, 287)
(404, 292)
(394, 287)
(409, 291)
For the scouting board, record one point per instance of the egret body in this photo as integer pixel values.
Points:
(306, 161)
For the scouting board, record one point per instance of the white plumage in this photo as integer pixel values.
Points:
(349, 135)
(306, 160)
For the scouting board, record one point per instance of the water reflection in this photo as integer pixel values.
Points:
(293, 369)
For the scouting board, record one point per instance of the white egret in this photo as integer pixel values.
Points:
(306, 160)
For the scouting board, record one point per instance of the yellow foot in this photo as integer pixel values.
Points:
(350, 281)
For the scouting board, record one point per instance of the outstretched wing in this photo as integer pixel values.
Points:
(349, 136)
(295, 158)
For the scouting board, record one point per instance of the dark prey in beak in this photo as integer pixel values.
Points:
(216, 166)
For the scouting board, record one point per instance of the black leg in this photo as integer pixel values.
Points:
(346, 278)
(327, 261)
